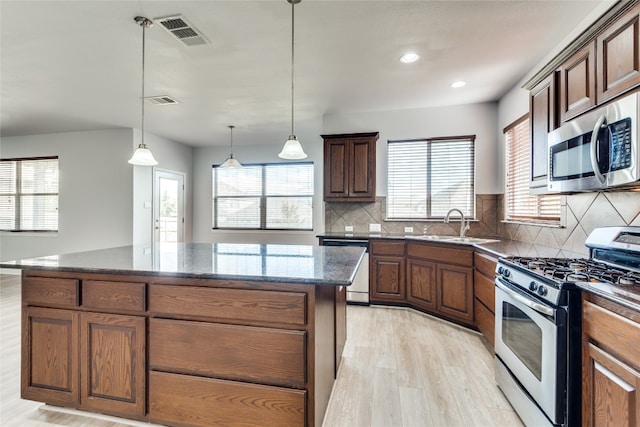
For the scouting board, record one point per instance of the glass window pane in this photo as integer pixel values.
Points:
(7, 177)
(245, 181)
(238, 212)
(287, 180)
(39, 176)
(7, 213)
(39, 212)
(289, 213)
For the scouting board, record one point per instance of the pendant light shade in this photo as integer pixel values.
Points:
(142, 156)
(292, 149)
(231, 162)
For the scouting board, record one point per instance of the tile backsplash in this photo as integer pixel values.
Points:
(581, 213)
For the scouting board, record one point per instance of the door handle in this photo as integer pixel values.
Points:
(594, 149)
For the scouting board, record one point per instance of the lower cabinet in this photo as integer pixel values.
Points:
(610, 365)
(440, 280)
(387, 271)
(112, 367)
(484, 294)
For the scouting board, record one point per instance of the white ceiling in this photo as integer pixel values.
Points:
(76, 65)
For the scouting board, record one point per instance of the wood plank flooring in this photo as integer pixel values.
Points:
(400, 368)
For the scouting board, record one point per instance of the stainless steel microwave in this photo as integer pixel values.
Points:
(598, 150)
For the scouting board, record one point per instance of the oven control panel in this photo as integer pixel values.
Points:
(528, 283)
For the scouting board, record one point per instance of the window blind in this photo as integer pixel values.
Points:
(29, 194)
(427, 177)
(520, 204)
(263, 197)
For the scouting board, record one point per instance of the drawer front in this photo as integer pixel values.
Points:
(51, 291)
(229, 304)
(485, 321)
(104, 295)
(485, 264)
(485, 291)
(184, 400)
(259, 355)
(386, 247)
(613, 331)
(446, 254)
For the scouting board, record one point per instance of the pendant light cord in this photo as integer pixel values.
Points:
(292, 62)
(144, 28)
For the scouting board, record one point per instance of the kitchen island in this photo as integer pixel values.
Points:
(186, 334)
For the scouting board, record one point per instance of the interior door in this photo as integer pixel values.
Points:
(168, 215)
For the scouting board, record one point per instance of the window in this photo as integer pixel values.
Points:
(29, 194)
(520, 204)
(264, 197)
(427, 177)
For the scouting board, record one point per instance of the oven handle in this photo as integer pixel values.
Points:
(594, 149)
(531, 304)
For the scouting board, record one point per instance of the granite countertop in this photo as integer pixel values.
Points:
(256, 262)
(498, 246)
(628, 296)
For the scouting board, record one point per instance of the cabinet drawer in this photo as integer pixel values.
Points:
(485, 264)
(51, 291)
(229, 304)
(449, 255)
(385, 247)
(485, 291)
(103, 295)
(485, 321)
(207, 402)
(259, 355)
(612, 331)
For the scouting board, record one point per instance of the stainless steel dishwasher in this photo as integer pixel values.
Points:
(358, 292)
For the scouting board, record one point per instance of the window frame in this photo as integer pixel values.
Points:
(18, 195)
(537, 201)
(263, 197)
(428, 170)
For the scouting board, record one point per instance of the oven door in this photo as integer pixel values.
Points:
(530, 341)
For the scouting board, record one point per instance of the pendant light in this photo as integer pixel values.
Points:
(142, 156)
(292, 149)
(231, 162)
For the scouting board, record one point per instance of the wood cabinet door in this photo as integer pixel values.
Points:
(113, 368)
(618, 53)
(542, 120)
(421, 284)
(336, 168)
(455, 292)
(50, 364)
(387, 282)
(363, 165)
(578, 83)
(611, 390)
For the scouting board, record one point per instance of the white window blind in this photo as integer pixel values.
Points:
(520, 204)
(427, 177)
(263, 197)
(29, 194)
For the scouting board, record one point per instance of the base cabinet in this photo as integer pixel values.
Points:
(440, 280)
(610, 365)
(387, 271)
(484, 294)
(113, 371)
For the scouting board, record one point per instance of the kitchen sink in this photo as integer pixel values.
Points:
(455, 239)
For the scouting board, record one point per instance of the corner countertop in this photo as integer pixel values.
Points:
(299, 264)
(500, 248)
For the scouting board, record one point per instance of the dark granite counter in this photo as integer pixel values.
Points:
(500, 247)
(628, 296)
(255, 262)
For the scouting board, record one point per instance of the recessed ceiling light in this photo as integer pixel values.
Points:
(409, 57)
(458, 84)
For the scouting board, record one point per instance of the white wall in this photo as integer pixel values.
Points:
(95, 192)
(472, 119)
(205, 157)
(171, 156)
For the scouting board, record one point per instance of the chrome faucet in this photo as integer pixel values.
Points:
(464, 226)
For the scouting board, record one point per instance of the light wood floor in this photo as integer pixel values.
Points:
(400, 368)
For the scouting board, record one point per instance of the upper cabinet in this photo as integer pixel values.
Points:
(601, 64)
(619, 56)
(350, 167)
(577, 91)
(542, 120)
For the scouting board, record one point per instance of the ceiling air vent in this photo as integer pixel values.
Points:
(160, 100)
(180, 28)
